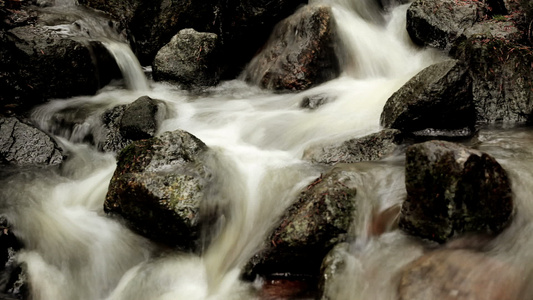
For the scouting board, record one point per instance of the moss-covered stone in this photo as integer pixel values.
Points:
(158, 187)
(318, 220)
(502, 77)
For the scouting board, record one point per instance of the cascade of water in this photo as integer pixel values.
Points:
(258, 138)
(94, 27)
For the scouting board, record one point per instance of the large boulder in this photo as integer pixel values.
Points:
(438, 97)
(459, 275)
(22, 144)
(38, 62)
(159, 185)
(501, 71)
(452, 190)
(300, 53)
(317, 221)
(371, 147)
(190, 59)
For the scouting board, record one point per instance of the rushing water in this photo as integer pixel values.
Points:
(73, 251)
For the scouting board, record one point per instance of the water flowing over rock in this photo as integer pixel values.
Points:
(242, 25)
(439, 97)
(452, 190)
(22, 144)
(158, 187)
(300, 53)
(13, 283)
(316, 222)
(502, 77)
(459, 275)
(371, 147)
(190, 59)
(38, 63)
(333, 264)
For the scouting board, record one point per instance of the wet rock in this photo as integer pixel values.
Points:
(453, 190)
(315, 101)
(22, 144)
(316, 222)
(371, 147)
(445, 24)
(124, 124)
(37, 63)
(190, 58)
(459, 275)
(141, 119)
(158, 187)
(300, 53)
(502, 84)
(438, 97)
(333, 265)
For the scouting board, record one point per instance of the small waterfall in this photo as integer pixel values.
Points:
(128, 64)
(94, 27)
(74, 251)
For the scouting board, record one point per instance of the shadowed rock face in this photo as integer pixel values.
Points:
(452, 190)
(438, 97)
(158, 187)
(300, 53)
(22, 144)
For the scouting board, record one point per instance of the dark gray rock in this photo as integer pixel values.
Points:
(316, 222)
(190, 58)
(502, 84)
(300, 53)
(315, 101)
(158, 187)
(459, 275)
(22, 144)
(371, 147)
(438, 97)
(452, 190)
(126, 123)
(440, 24)
(141, 119)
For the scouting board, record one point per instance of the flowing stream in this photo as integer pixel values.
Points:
(74, 251)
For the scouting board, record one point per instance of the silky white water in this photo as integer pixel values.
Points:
(74, 251)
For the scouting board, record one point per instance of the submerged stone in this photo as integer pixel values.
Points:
(371, 147)
(453, 190)
(459, 274)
